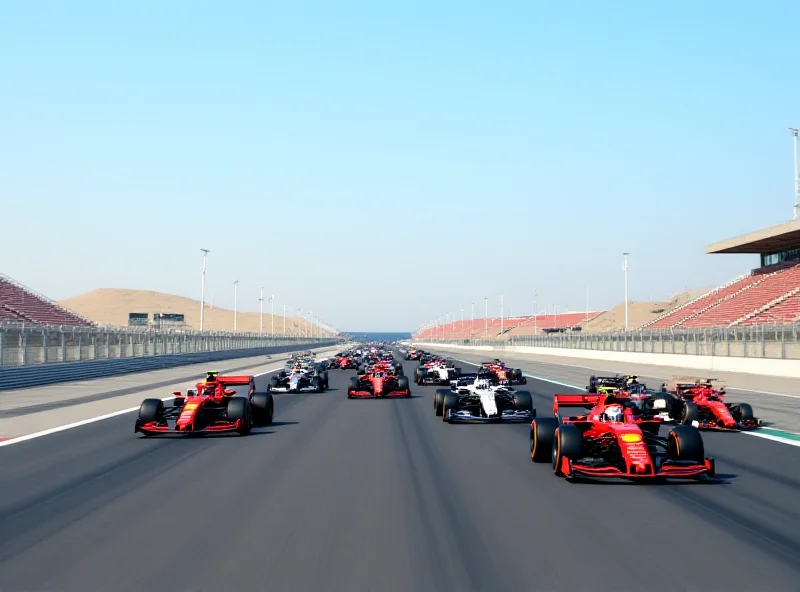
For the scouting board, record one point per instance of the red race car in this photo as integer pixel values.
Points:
(378, 383)
(703, 400)
(609, 442)
(390, 367)
(212, 407)
(503, 373)
(344, 363)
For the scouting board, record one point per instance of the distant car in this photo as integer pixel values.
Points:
(299, 380)
(214, 406)
(610, 442)
(378, 383)
(503, 373)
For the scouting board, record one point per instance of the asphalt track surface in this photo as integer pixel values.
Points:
(381, 495)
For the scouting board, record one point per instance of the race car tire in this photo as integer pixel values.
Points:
(422, 373)
(689, 413)
(273, 382)
(685, 442)
(543, 431)
(361, 370)
(240, 408)
(668, 402)
(438, 401)
(402, 384)
(263, 408)
(324, 376)
(282, 374)
(317, 383)
(523, 401)
(151, 410)
(517, 374)
(742, 411)
(449, 402)
(352, 386)
(568, 444)
(457, 371)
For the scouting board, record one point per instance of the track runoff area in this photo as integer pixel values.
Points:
(345, 494)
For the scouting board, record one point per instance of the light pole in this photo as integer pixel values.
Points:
(625, 271)
(261, 314)
(501, 313)
(272, 313)
(472, 323)
(284, 320)
(203, 288)
(235, 294)
(796, 175)
(486, 317)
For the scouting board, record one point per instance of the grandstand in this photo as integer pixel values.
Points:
(19, 304)
(523, 325)
(767, 295)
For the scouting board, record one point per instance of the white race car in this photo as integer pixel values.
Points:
(475, 398)
(299, 381)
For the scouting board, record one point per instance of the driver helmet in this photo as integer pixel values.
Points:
(613, 414)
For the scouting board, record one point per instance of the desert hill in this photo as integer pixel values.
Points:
(639, 313)
(110, 306)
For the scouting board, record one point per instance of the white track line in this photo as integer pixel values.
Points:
(773, 438)
(83, 422)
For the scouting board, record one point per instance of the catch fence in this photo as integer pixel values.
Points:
(750, 341)
(23, 345)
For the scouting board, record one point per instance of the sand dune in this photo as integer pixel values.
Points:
(639, 313)
(109, 306)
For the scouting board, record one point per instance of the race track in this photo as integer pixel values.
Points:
(381, 495)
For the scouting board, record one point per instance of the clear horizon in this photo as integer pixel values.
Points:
(383, 165)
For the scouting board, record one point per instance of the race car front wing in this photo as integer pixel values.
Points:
(506, 416)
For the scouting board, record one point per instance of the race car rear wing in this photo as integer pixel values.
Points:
(587, 401)
(214, 376)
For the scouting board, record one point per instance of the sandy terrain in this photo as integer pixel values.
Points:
(109, 306)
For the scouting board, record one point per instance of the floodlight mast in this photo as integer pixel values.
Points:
(203, 288)
(625, 270)
(795, 131)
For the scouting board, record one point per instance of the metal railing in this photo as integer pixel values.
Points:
(749, 341)
(23, 345)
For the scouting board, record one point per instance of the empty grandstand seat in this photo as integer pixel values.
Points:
(768, 288)
(682, 315)
(19, 304)
(784, 312)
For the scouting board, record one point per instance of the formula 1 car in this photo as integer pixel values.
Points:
(299, 380)
(414, 354)
(212, 407)
(503, 373)
(701, 402)
(609, 384)
(473, 398)
(390, 367)
(378, 383)
(436, 371)
(609, 442)
(345, 363)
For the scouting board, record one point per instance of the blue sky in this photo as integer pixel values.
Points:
(382, 163)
